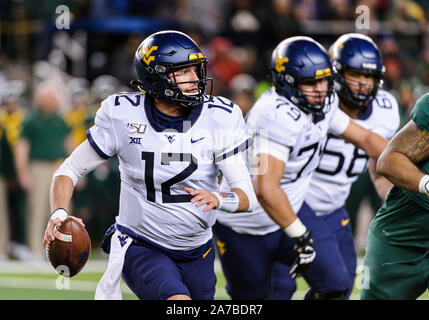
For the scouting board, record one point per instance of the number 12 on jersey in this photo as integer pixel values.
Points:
(166, 159)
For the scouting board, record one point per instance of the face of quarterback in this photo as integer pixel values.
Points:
(314, 91)
(187, 80)
(359, 83)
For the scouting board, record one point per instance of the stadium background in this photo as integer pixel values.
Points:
(237, 36)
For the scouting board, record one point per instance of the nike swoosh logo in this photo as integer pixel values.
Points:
(345, 222)
(205, 254)
(193, 141)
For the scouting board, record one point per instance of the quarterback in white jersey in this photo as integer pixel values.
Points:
(171, 140)
(297, 114)
(156, 165)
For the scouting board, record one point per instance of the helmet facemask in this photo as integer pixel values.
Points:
(288, 86)
(174, 94)
(308, 106)
(357, 100)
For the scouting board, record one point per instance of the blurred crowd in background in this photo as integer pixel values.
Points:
(53, 77)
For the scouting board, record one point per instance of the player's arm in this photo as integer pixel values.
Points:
(405, 151)
(370, 142)
(275, 202)
(270, 195)
(237, 175)
(83, 160)
(381, 184)
(240, 198)
(61, 192)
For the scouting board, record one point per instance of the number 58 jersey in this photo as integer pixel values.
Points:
(342, 162)
(157, 162)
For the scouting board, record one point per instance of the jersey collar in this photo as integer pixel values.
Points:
(366, 114)
(161, 122)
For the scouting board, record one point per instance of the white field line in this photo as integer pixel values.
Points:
(17, 267)
(51, 284)
(45, 267)
(92, 266)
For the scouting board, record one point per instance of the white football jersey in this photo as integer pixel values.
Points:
(156, 165)
(303, 134)
(342, 162)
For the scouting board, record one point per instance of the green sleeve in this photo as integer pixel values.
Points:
(420, 112)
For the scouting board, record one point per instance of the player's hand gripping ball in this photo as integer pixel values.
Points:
(70, 250)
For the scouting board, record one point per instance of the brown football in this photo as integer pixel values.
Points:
(70, 250)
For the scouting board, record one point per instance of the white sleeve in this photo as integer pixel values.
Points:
(83, 160)
(276, 125)
(275, 149)
(339, 122)
(237, 176)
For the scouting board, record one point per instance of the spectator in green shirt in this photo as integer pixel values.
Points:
(4, 219)
(45, 141)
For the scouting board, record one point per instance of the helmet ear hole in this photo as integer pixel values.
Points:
(169, 93)
(150, 70)
(160, 69)
(289, 79)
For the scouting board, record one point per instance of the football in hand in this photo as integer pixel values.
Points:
(70, 250)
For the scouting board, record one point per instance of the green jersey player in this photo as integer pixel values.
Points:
(396, 264)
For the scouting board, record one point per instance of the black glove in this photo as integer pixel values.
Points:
(304, 247)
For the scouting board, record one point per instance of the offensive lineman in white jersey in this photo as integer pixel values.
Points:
(358, 72)
(298, 113)
(171, 140)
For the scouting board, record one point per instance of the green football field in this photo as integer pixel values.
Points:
(39, 281)
(50, 286)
